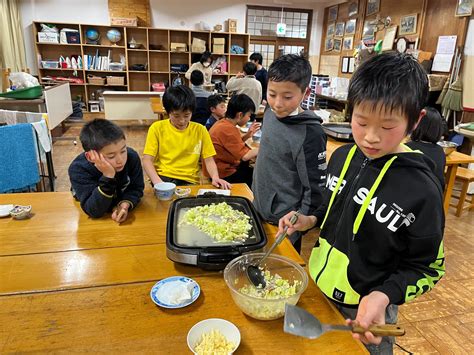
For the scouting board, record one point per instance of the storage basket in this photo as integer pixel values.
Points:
(49, 64)
(115, 80)
(96, 80)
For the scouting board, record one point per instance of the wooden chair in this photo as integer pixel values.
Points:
(157, 107)
(465, 177)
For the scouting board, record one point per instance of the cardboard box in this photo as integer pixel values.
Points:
(218, 49)
(178, 47)
(198, 45)
(218, 41)
(124, 21)
(48, 37)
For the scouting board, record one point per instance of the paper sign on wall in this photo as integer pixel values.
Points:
(281, 29)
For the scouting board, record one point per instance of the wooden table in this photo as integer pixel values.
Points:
(453, 160)
(70, 283)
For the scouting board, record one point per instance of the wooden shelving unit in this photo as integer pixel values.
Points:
(154, 53)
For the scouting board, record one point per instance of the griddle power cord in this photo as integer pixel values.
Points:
(403, 349)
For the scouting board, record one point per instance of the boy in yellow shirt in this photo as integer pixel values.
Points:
(174, 147)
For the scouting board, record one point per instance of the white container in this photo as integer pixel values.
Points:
(228, 329)
(48, 37)
(164, 190)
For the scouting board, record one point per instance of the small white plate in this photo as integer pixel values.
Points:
(217, 191)
(161, 285)
(5, 210)
(244, 129)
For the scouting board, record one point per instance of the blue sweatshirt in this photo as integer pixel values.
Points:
(99, 194)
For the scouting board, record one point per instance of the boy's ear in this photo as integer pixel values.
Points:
(420, 117)
(87, 155)
(307, 93)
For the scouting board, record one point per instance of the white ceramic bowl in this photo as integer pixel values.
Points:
(228, 329)
(164, 190)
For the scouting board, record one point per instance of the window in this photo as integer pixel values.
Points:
(266, 50)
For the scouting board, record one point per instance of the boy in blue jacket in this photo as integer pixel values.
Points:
(380, 243)
(108, 176)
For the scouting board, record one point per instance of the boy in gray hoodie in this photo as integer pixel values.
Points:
(290, 171)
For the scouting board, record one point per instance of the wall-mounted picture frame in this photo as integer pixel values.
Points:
(345, 65)
(337, 45)
(353, 8)
(351, 26)
(351, 65)
(408, 24)
(331, 29)
(332, 13)
(328, 44)
(369, 29)
(463, 8)
(389, 38)
(373, 6)
(339, 32)
(348, 43)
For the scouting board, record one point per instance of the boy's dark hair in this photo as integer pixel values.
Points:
(293, 68)
(394, 80)
(98, 133)
(250, 68)
(239, 103)
(179, 98)
(205, 57)
(214, 100)
(256, 57)
(197, 78)
(431, 127)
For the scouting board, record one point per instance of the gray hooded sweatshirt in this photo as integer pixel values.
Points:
(290, 171)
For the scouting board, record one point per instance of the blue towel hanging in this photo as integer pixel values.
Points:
(18, 160)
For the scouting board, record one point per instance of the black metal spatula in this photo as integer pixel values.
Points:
(302, 323)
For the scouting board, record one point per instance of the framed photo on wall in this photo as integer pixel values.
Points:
(353, 8)
(408, 24)
(345, 65)
(330, 30)
(328, 44)
(339, 29)
(337, 45)
(463, 8)
(373, 6)
(332, 13)
(389, 38)
(351, 26)
(348, 43)
(369, 29)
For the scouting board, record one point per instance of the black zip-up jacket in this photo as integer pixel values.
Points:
(99, 194)
(396, 245)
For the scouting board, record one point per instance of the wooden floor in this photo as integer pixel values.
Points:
(440, 322)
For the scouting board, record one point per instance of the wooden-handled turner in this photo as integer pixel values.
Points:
(304, 324)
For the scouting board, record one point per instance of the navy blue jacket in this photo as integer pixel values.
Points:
(99, 194)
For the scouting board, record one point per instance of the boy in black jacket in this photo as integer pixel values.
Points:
(108, 175)
(380, 244)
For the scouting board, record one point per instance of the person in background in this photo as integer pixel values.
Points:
(425, 137)
(261, 75)
(108, 175)
(204, 65)
(201, 112)
(217, 106)
(174, 147)
(290, 171)
(245, 83)
(232, 155)
(382, 219)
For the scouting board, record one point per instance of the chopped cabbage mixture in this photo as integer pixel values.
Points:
(214, 343)
(220, 221)
(276, 287)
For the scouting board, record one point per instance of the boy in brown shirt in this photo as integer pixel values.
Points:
(232, 155)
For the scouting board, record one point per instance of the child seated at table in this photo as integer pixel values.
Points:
(233, 156)
(201, 112)
(174, 147)
(425, 137)
(290, 170)
(107, 175)
(382, 221)
(217, 106)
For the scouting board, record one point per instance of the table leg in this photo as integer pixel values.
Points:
(451, 176)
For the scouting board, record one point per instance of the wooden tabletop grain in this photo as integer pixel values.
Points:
(71, 283)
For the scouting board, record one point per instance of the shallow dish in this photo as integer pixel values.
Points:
(157, 290)
(228, 329)
(5, 210)
(182, 192)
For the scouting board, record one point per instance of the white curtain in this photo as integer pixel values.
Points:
(12, 43)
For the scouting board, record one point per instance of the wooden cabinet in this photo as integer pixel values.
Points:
(149, 62)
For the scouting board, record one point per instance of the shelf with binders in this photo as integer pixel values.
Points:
(101, 58)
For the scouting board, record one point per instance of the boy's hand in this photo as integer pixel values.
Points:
(221, 183)
(120, 213)
(254, 127)
(100, 163)
(303, 223)
(371, 311)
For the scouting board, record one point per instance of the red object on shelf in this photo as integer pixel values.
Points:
(158, 87)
